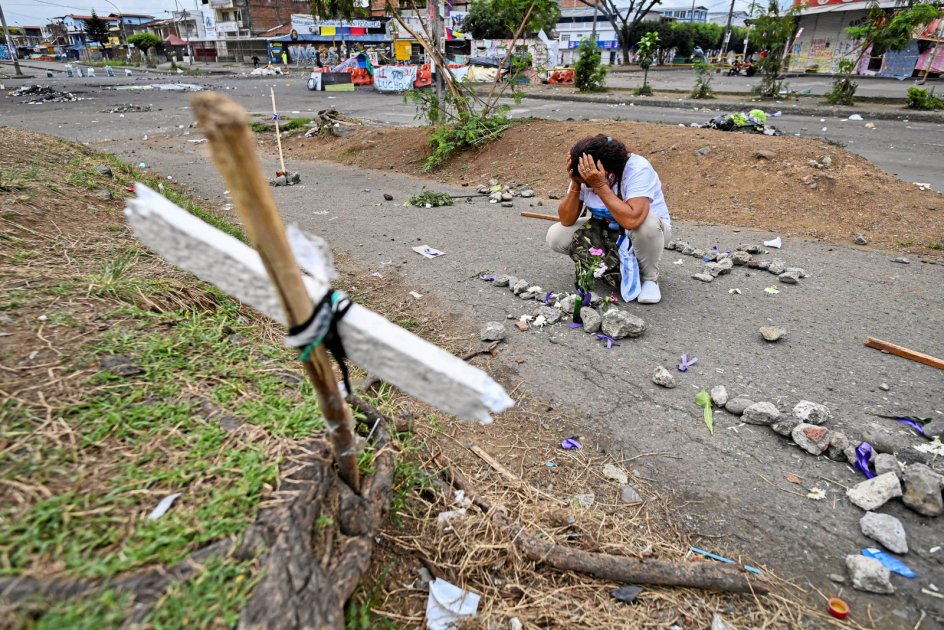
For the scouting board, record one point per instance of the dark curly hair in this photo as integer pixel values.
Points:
(606, 150)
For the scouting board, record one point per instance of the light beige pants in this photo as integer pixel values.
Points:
(648, 242)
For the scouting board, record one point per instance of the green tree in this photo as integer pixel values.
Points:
(589, 74)
(144, 42)
(772, 32)
(97, 30)
(499, 19)
(624, 16)
(647, 48)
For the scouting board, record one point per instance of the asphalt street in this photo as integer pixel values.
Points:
(729, 485)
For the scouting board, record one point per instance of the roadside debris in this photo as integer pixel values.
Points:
(40, 94)
(838, 608)
(493, 331)
(890, 562)
(627, 594)
(870, 575)
(448, 605)
(754, 121)
(167, 87)
(885, 529)
(703, 400)
(904, 352)
(427, 251)
(285, 179)
(663, 378)
(163, 506)
(714, 556)
(776, 243)
(430, 199)
(772, 333)
(571, 443)
(126, 109)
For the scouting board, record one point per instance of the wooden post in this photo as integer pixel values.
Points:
(906, 353)
(226, 126)
(278, 133)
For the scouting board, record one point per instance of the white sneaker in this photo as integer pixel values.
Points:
(650, 293)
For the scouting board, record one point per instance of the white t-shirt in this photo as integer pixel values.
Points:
(639, 180)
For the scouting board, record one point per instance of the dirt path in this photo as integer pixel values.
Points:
(732, 484)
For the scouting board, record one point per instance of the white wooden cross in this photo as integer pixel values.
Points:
(385, 350)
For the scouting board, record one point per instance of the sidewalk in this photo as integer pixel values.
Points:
(802, 105)
(40, 68)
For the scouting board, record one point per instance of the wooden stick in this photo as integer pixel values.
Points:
(226, 125)
(907, 353)
(535, 215)
(278, 134)
(706, 575)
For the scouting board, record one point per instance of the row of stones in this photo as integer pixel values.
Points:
(718, 263)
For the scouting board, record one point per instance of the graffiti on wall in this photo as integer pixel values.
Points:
(306, 54)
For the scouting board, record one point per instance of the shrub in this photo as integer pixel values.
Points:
(589, 74)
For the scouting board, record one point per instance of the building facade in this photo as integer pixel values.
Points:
(686, 14)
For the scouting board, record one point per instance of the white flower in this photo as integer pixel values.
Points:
(816, 494)
(600, 271)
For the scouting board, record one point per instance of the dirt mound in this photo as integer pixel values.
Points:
(784, 184)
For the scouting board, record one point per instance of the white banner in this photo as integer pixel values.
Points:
(394, 78)
(307, 24)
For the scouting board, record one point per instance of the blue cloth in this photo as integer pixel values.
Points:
(604, 215)
(629, 268)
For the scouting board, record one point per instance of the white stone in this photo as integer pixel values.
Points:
(615, 473)
(811, 412)
(719, 395)
(383, 349)
(663, 378)
(872, 494)
(868, 574)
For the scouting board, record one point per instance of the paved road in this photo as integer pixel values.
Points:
(913, 151)
(850, 295)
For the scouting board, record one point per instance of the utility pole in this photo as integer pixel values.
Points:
(727, 30)
(10, 46)
(593, 34)
(436, 20)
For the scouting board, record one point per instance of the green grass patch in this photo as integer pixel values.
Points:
(213, 598)
(293, 124)
(936, 244)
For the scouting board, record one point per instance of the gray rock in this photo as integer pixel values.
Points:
(698, 253)
(615, 473)
(566, 304)
(838, 579)
(388, 197)
(508, 204)
(484, 190)
(629, 495)
(861, 240)
(663, 378)
(687, 250)
(726, 263)
(763, 413)
(764, 155)
(789, 277)
(671, 245)
(532, 293)
(714, 269)
(934, 429)
(493, 331)
(710, 255)
(506, 196)
(911, 456)
(886, 529)
(519, 286)
(887, 440)
(584, 500)
(777, 266)
(703, 277)
(838, 443)
(619, 324)
(923, 490)
(495, 196)
(763, 265)
(120, 365)
(811, 412)
(800, 271)
(592, 320)
(737, 406)
(627, 593)
(884, 387)
(870, 575)
(551, 314)
(103, 194)
(772, 333)
(503, 280)
(526, 193)
(103, 170)
(740, 258)
(719, 395)
(872, 494)
(785, 425)
(886, 462)
(703, 151)
(278, 181)
(812, 438)
(901, 260)
(750, 248)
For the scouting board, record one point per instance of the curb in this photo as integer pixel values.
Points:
(642, 101)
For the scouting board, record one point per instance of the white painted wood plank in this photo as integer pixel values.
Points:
(387, 351)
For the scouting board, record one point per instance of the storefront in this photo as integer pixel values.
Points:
(821, 42)
(327, 42)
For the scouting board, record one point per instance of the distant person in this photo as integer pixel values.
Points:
(284, 58)
(255, 61)
(627, 221)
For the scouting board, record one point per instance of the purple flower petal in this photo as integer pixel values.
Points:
(863, 455)
(571, 443)
(487, 278)
(914, 425)
(576, 325)
(586, 299)
(547, 298)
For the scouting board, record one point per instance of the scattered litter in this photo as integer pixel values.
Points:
(792, 478)
(855, 117)
(686, 363)
(679, 262)
(772, 290)
(922, 186)
(863, 456)
(734, 291)
(610, 342)
(932, 593)
(627, 594)
(125, 109)
(838, 608)
(934, 549)
(571, 443)
(197, 141)
(870, 125)
(43, 94)
(892, 563)
(444, 518)
(776, 243)
(550, 463)
(703, 399)
(428, 252)
(448, 604)
(714, 556)
(377, 274)
(268, 71)
(163, 506)
(416, 296)
(935, 447)
(914, 425)
(167, 87)
(143, 165)
(816, 494)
